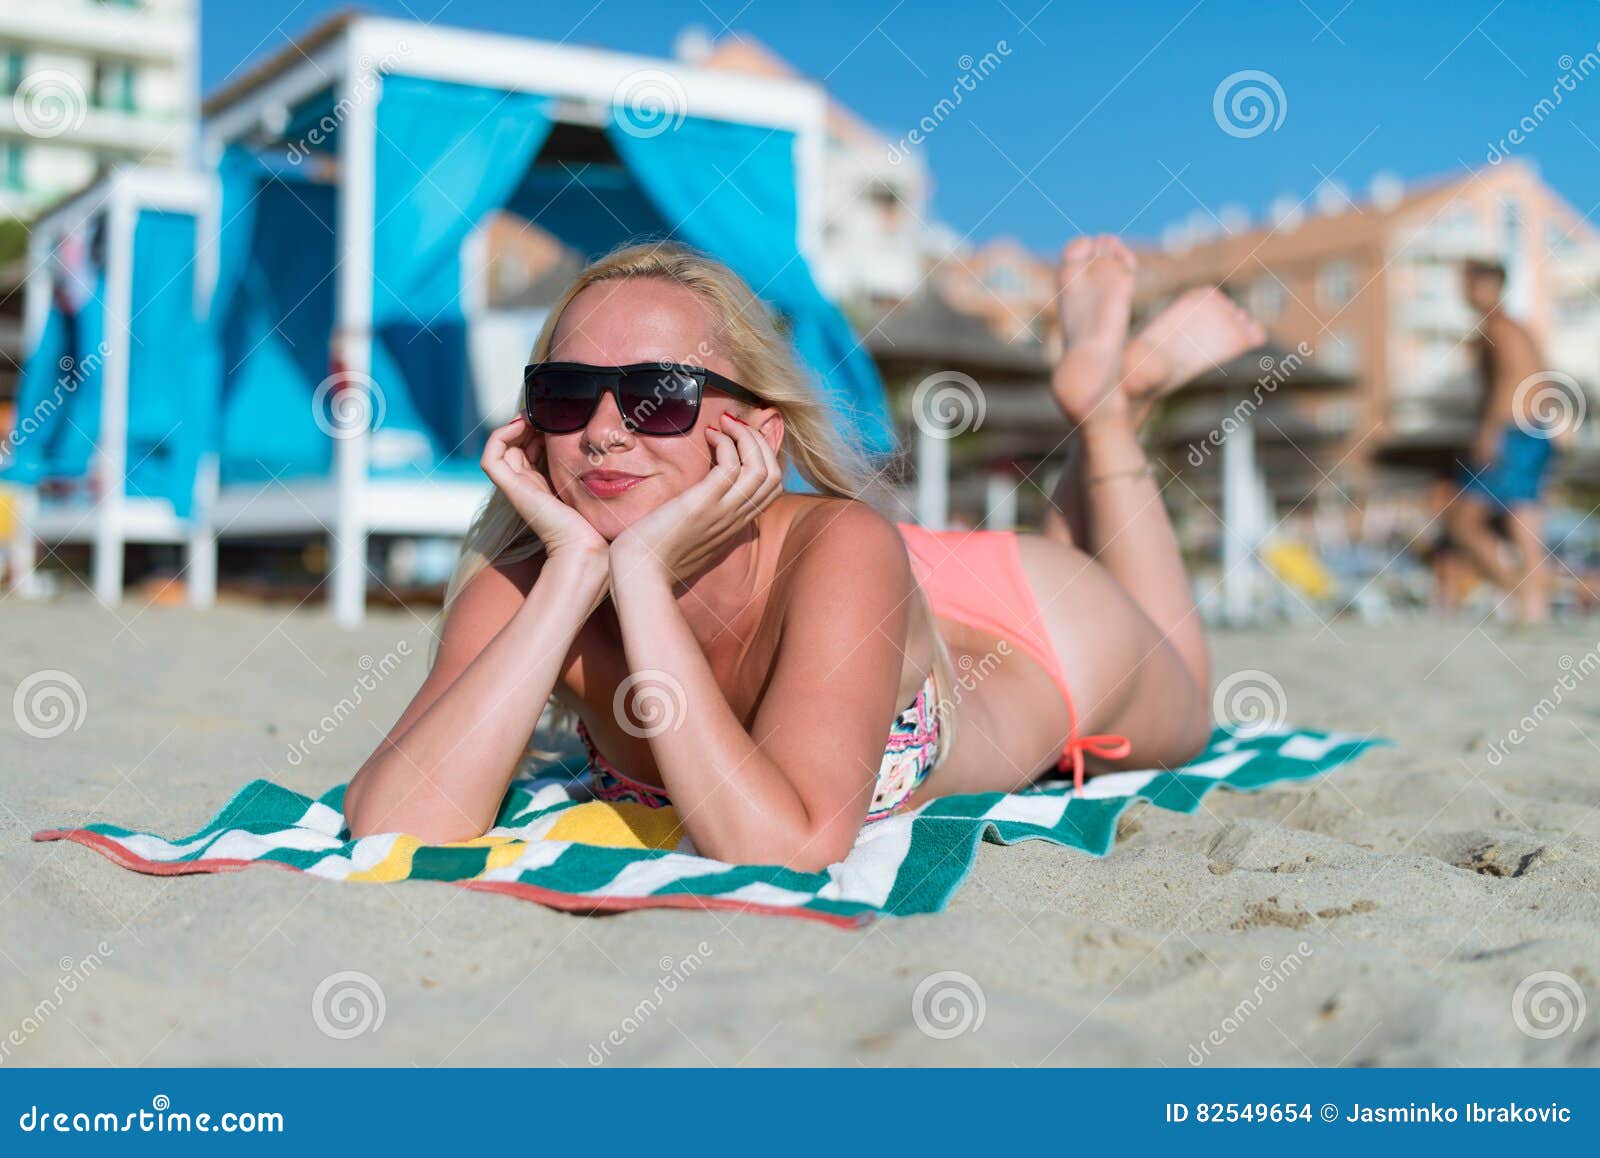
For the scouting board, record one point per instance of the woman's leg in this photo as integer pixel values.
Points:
(1125, 526)
(1199, 331)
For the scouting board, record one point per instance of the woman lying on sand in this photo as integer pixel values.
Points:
(640, 547)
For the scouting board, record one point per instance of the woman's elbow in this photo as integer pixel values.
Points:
(806, 852)
(813, 864)
(361, 821)
(363, 818)
(820, 850)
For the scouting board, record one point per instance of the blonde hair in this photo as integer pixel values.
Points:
(745, 331)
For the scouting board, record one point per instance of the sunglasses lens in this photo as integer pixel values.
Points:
(664, 401)
(561, 401)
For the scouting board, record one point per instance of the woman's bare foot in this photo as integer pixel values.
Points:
(1096, 300)
(1201, 330)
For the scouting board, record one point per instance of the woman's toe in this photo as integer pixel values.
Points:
(1077, 251)
(1116, 246)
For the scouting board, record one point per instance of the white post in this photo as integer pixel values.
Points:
(810, 156)
(111, 458)
(202, 568)
(999, 501)
(1238, 522)
(474, 298)
(1266, 508)
(25, 499)
(933, 475)
(357, 176)
(24, 550)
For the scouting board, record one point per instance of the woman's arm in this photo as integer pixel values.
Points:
(444, 767)
(795, 789)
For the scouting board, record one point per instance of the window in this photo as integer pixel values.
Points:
(12, 64)
(891, 209)
(115, 86)
(1511, 224)
(1336, 283)
(1438, 360)
(1575, 310)
(1264, 299)
(11, 166)
(1440, 283)
(1341, 353)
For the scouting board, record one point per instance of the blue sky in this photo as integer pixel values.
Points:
(1099, 116)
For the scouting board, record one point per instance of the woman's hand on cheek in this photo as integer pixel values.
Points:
(511, 460)
(688, 531)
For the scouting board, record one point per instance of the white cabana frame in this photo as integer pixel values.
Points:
(115, 518)
(354, 59)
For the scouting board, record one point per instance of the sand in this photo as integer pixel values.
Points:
(1384, 916)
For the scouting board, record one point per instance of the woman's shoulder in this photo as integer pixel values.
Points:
(498, 586)
(831, 531)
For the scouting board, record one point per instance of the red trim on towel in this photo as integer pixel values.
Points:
(566, 902)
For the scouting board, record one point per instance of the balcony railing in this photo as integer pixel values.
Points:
(103, 30)
(1435, 315)
(138, 135)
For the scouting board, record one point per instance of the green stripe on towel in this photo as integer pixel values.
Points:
(906, 864)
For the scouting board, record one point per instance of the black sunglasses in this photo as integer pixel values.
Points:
(657, 398)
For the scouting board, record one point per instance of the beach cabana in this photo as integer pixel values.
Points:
(354, 170)
(416, 133)
(112, 414)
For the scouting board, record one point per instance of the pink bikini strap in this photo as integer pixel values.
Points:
(1106, 745)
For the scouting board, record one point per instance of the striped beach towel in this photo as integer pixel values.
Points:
(554, 844)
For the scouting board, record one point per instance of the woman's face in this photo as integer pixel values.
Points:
(608, 472)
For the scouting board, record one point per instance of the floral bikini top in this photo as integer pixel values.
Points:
(907, 759)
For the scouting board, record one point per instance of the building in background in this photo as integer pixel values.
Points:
(1012, 288)
(1372, 287)
(1371, 386)
(84, 85)
(875, 198)
(87, 85)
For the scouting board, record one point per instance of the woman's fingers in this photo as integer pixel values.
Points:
(759, 467)
(725, 464)
(744, 460)
(502, 435)
(500, 440)
(746, 494)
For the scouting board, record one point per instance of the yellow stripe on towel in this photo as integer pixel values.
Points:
(505, 853)
(396, 866)
(503, 850)
(622, 825)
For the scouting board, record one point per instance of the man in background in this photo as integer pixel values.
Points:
(1505, 473)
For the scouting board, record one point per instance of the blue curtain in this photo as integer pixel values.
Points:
(22, 458)
(447, 155)
(167, 384)
(58, 398)
(313, 126)
(168, 393)
(590, 207)
(730, 189)
(271, 322)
